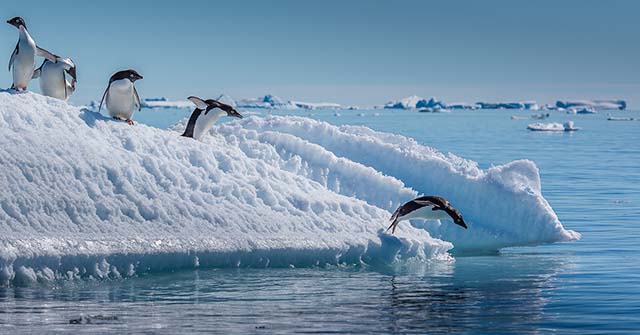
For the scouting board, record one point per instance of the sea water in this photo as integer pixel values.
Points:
(590, 177)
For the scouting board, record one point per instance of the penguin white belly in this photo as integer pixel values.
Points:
(120, 99)
(426, 213)
(24, 63)
(205, 122)
(53, 82)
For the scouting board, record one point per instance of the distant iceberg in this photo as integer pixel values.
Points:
(461, 105)
(316, 105)
(268, 101)
(274, 102)
(414, 102)
(593, 104)
(163, 102)
(529, 105)
(567, 126)
(100, 199)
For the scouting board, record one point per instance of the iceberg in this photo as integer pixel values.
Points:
(461, 105)
(554, 126)
(163, 102)
(592, 104)
(84, 196)
(273, 102)
(415, 102)
(268, 101)
(316, 105)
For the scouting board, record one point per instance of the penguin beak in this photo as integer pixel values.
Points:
(235, 113)
(72, 73)
(138, 77)
(13, 23)
(460, 222)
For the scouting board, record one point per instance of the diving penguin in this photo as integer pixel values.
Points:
(53, 81)
(121, 95)
(427, 207)
(207, 112)
(23, 58)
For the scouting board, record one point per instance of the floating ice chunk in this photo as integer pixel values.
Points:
(567, 126)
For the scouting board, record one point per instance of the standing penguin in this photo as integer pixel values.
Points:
(23, 58)
(122, 96)
(53, 81)
(199, 122)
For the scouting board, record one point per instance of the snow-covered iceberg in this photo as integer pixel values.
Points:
(163, 102)
(553, 126)
(461, 105)
(593, 104)
(415, 102)
(273, 102)
(316, 105)
(86, 196)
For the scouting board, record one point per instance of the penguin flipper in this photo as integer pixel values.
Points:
(103, 96)
(201, 104)
(46, 54)
(137, 101)
(36, 73)
(14, 54)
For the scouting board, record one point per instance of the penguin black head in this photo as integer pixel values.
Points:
(232, 112)
(126, 74)
(460, 222)
(17, 22)
(209, 104)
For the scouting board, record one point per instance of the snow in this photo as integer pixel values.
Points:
(593, 104)
(554, 126)
(84, 196)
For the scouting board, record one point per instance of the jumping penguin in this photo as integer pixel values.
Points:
(23, 58)
(53, 81)
(207, 112)
(427, 207)
(121, 95)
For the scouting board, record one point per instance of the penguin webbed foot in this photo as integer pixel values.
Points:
(130, 122)
(393, 226)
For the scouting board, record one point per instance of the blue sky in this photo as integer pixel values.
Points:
(350, 52)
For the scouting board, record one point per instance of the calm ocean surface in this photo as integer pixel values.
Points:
(590, 177)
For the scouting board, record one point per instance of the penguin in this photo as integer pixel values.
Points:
(121, 95)
(207, 112)
(427, 207)
(53, 81)
(23, 58)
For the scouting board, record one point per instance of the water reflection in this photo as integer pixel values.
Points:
(486, 294)
(489, 294)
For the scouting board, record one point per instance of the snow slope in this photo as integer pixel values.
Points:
(87, 197)
(502, 205)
